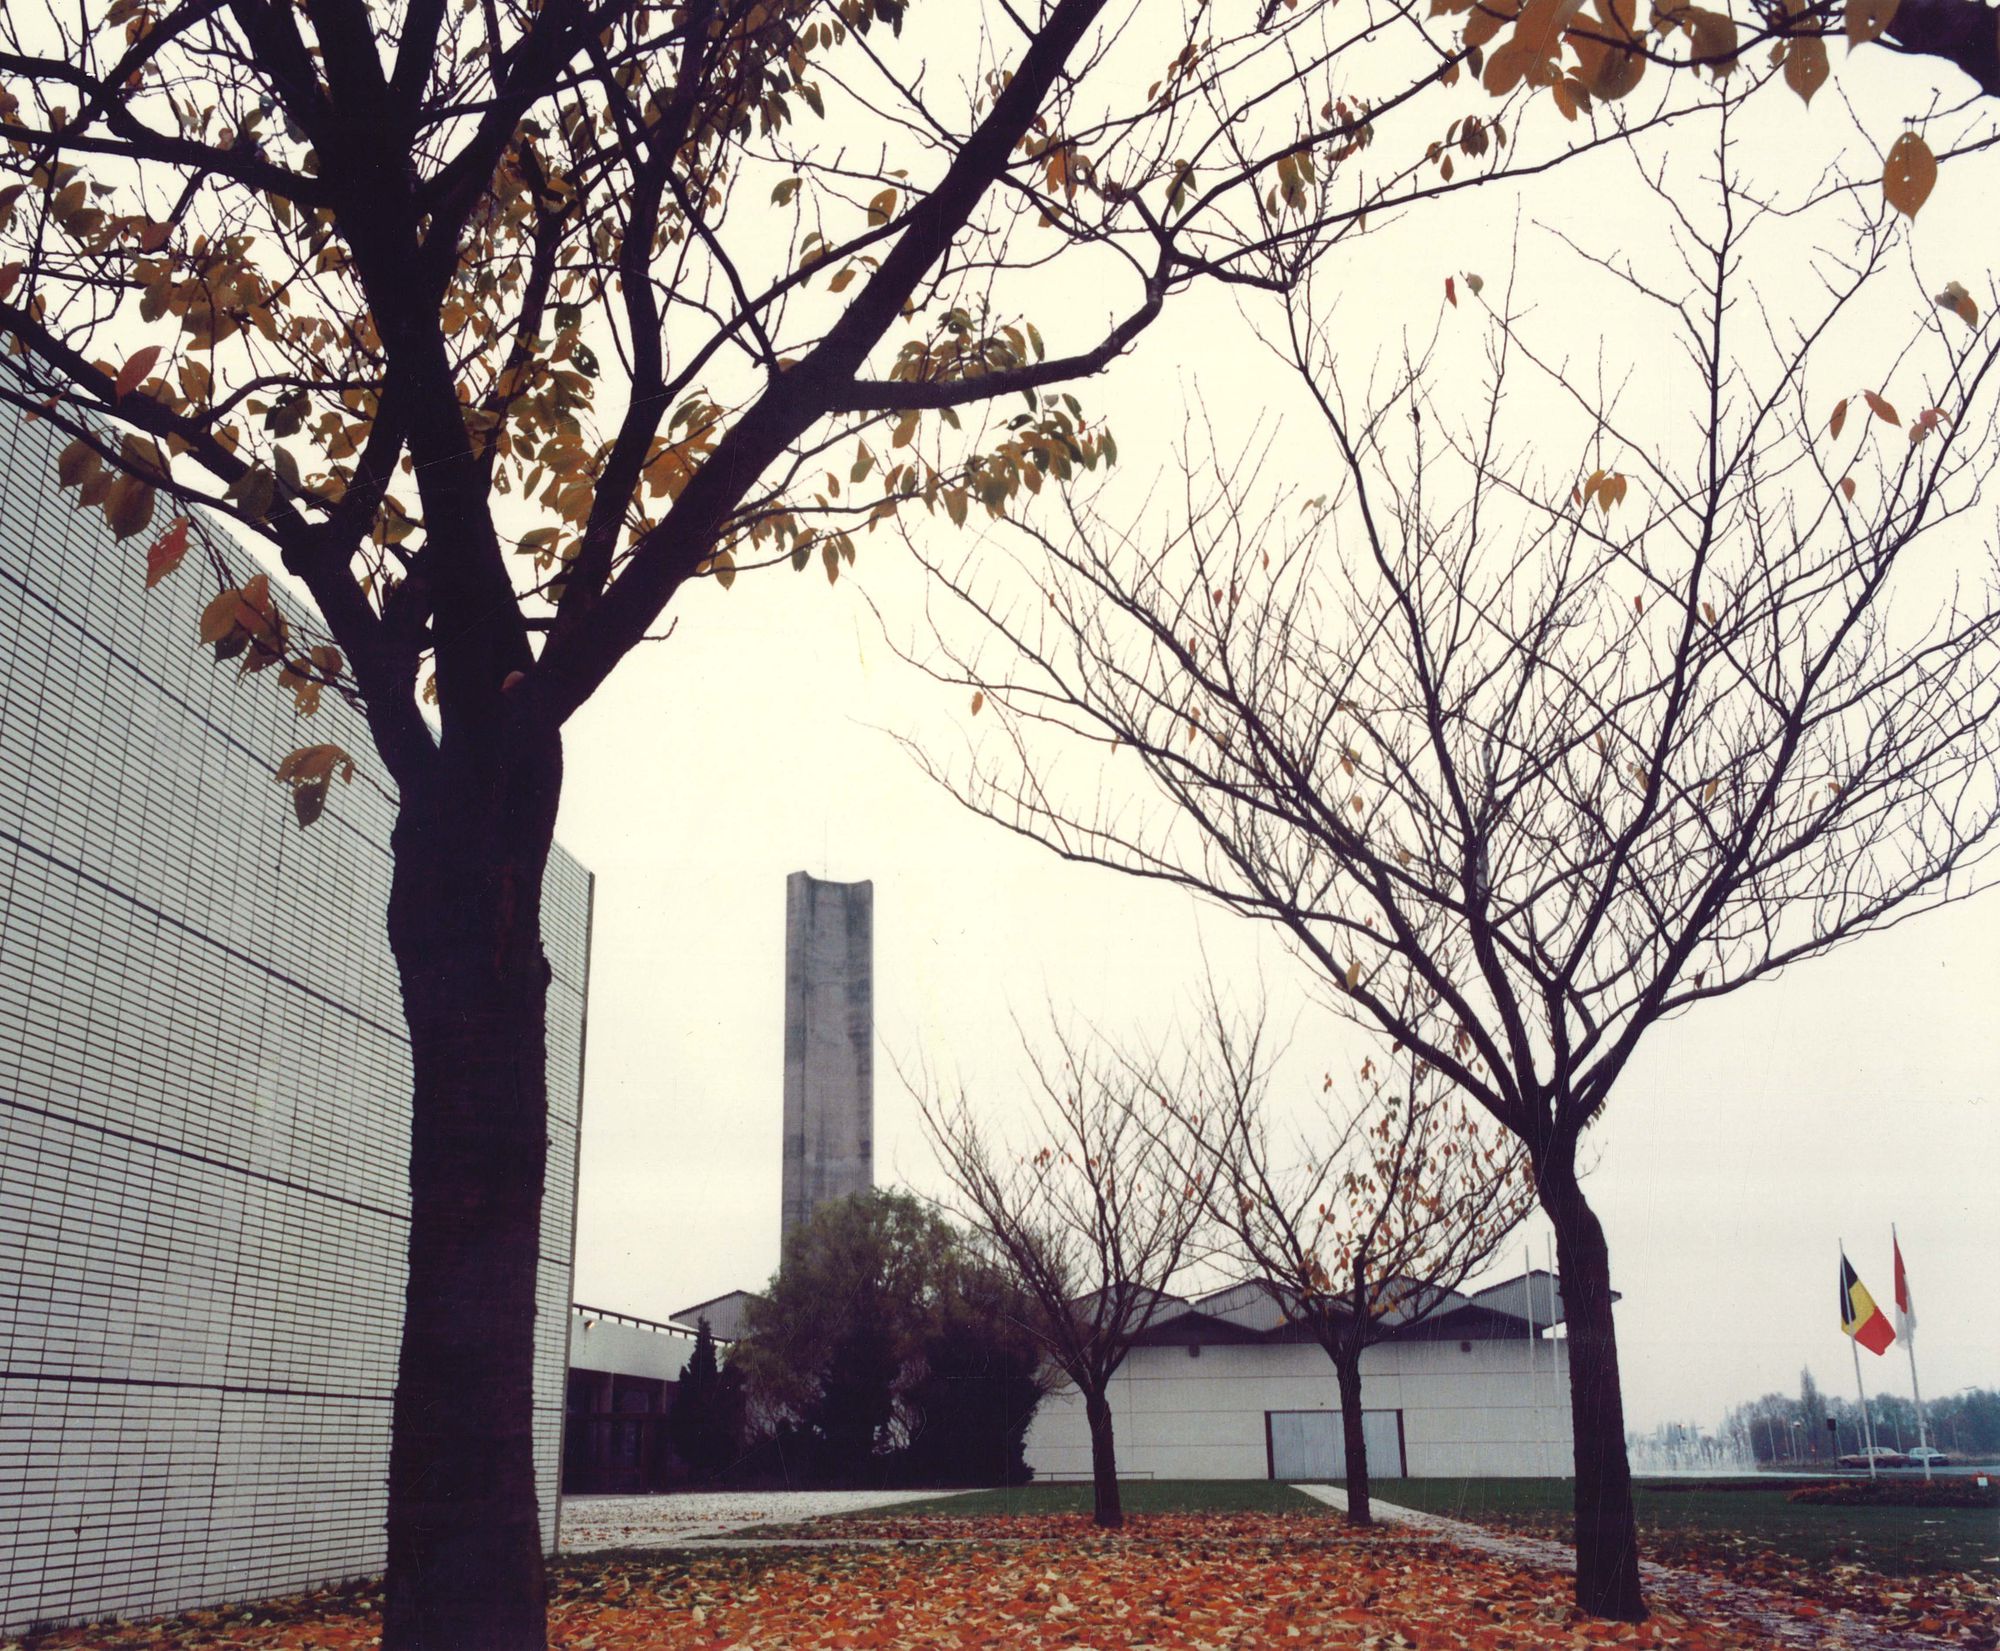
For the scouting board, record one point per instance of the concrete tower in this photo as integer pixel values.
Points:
(829, 1044)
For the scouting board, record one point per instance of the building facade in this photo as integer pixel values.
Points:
(829, 1140)
(1223, 1388)
(623, 1373)
(204, 1097)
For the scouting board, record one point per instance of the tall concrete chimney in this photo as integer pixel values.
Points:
(829, 1044)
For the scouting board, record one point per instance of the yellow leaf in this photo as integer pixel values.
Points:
(842, 281)
(1909, 174)
(724, 568)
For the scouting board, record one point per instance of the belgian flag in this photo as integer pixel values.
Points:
(1859, 1316)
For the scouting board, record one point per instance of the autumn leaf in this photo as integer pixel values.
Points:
(1880, 408)
(1847, 488)
(1868, 19)
(133, 373)
(978, 701)
(1713, 36)
(310, 772)
(1909, 174)
(1956, 299)
(1450, 292)
(129, 506)
(1609, 50)
(1805, 65)
(167, 551)
(76, 462)
(1833, 425)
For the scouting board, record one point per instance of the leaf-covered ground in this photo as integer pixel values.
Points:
(1244, 1581)
(1883, 1576)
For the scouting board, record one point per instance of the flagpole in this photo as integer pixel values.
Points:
(1854, 1347)
(1910, 1343)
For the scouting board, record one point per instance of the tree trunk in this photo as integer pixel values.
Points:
(1607, 1542)
(465, 1549)
(1103, 1462)
(1347, 1371)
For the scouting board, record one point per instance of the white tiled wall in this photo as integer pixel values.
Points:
(204, 1089)
(1477, 1413)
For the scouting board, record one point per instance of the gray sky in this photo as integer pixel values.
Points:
(1747, 1139)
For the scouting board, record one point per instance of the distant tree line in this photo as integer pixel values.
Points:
(1781, 1429)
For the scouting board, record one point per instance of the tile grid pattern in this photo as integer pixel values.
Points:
(203, 1103)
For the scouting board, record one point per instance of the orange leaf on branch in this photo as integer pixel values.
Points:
(167, 551)
(133, 373)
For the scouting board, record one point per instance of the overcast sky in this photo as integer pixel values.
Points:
(1747, 1140)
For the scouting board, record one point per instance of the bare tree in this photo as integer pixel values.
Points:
(1359, 1222)
(504, 327)
(1525, 761)
(1090, 1216)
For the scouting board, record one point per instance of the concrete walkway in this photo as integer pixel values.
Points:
(1689, 1593)
(688, 1518)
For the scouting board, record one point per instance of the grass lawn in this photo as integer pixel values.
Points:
(1674, 1519)
(1895, 1541)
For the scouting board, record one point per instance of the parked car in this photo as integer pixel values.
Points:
(1883, 1456)
(1928, 1456)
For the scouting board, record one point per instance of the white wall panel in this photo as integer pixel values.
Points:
(203, 1138)
(1480, 1412)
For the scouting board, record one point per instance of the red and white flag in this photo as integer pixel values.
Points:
(1906, 1312)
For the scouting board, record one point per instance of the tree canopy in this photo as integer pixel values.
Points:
(887, 1345)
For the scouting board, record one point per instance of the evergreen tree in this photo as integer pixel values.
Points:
(699, 1425)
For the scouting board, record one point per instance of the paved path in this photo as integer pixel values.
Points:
(594, 1522)
(1690, 1593)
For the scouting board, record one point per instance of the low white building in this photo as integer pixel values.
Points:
(1221, 1387)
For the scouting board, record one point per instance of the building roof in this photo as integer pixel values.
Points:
(1248, 1311)
(728, 1315)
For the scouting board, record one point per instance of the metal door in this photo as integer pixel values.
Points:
(1309, 1444)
